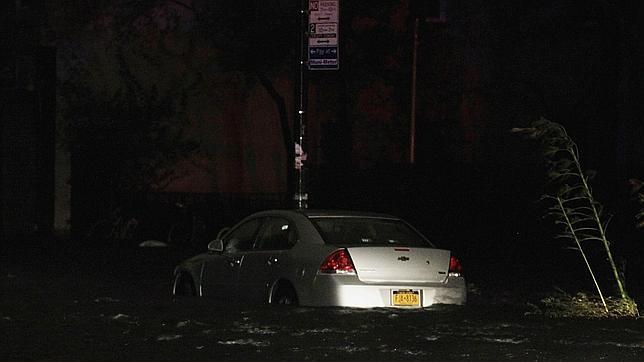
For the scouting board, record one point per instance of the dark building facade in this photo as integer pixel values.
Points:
(27, 130)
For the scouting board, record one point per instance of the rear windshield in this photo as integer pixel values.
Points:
(367, 231)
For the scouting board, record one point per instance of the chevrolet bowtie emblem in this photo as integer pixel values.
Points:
(403, 258)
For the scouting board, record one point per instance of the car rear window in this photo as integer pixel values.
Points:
(353, 231)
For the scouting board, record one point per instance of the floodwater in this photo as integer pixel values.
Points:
(77, 307)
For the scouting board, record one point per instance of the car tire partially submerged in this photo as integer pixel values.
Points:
(284, 294)
(184, 286)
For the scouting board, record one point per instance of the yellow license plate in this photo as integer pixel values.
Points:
(405, 298)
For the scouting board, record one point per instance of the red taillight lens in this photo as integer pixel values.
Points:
(339, 262)
(455, 268)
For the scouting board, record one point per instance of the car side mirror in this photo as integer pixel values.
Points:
(216, 246)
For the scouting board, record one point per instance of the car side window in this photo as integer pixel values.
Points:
(242, 237)
(276, 234)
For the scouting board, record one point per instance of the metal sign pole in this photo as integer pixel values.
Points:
(301, 197)
(319, 44)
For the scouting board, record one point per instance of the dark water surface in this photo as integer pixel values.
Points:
(83, 307)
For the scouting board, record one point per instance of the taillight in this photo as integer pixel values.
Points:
(455, 267)
(339, 262)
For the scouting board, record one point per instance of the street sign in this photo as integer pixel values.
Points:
(323, 41)
(325, 34)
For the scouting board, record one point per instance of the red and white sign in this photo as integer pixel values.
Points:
(323, 34)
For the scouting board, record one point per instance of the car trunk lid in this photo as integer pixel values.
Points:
(400, 264)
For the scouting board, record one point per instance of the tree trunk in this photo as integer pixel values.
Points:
(286, 132)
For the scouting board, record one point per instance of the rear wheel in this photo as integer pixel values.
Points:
(184, 286)
(284, 294)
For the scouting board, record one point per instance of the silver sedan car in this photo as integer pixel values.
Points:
(323, 258)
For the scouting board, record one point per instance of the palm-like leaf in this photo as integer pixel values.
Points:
(573, 206)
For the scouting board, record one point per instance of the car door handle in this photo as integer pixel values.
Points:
(233, 263)
(272, 260)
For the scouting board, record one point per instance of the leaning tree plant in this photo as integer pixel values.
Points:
(573, 205)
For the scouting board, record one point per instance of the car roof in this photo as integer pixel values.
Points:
(344, 213)
(317, 213)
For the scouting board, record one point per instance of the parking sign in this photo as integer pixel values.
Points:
(323, 41)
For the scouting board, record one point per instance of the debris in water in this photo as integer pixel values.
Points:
(245, 342)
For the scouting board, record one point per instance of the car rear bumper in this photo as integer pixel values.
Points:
(349, 291)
